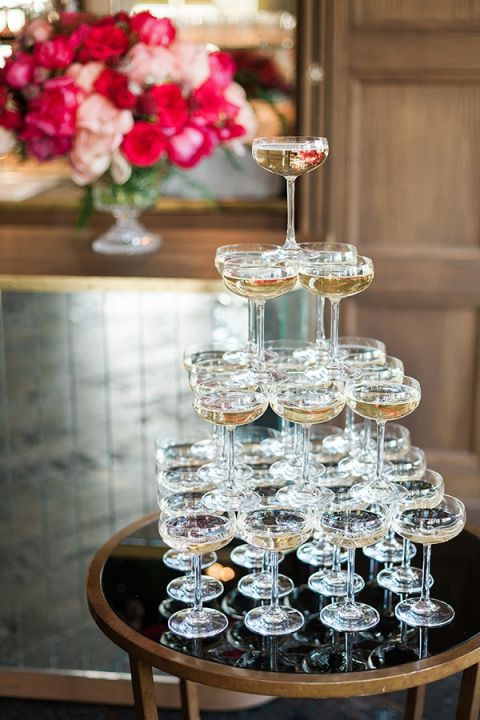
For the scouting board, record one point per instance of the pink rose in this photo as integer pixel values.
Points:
(191, 63)
(55, 54)
(149, 64)
(152, 30)
(191, 145)
(19, 71)
(39, 30)
(85, 75)
(91, 155)
(98, 114)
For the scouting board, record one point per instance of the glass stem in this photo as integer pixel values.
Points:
(348, 651)
(405, 553)
(334, 318)
(336, 565)
(290, 239)
(251, 323)
(274, 570)
(351, 576)
(427, 554)
(230, 482)
(320, 337)
(380, 448)
(260, 313)
(367, 435)
(224, 442)
(349, 421)
(197, 570)
(306, 454)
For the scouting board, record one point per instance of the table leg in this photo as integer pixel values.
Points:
(189, 698)
(143, 689)
(468, 707)
(415, 703)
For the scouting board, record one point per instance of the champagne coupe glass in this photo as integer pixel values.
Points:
(274, 528)
(333, 582)
(306, 404)
(428, 526)
(328, 252)
(290, 157)
(229, 408)
(410, 466)
(382, 401)
(364, 461)
(242, 251)
(423, 492)
(183, 588)
(353, 527)
(335, 281)
(187, 526)
(260, 280)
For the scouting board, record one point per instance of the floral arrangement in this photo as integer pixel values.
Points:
(118, 96)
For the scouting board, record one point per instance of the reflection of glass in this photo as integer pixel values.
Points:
(187, 526)
(290, 157)
(428, 526)
(274, 529)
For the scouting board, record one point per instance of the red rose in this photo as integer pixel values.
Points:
(53, 111)
(144, 145)
(114, 85)
(222, 69)
(208, 102)
(54, 54)
(191, 145)
(19, 71)
(167, 104)
(104, 43)
(152, 30)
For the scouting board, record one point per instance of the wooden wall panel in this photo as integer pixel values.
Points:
(411, 11)
(416, 173)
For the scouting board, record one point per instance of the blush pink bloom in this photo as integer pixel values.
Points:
(191, 145)
(191, 63)
(84, 76)
(149, 64)
(98, 114)
(39, 30)
(246, 117)
(120, 168)
(91, 156)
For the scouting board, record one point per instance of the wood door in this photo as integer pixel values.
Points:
(401, 109)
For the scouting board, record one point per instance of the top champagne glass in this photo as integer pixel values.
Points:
(291, 157)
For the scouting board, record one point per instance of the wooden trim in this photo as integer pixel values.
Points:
(77, 283)
(112, 688)
(280, 684)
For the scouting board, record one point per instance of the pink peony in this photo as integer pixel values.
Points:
(91, 155)
(85, 75)
(152, 30)
(245, 115)
(191, 145)
(191, 63)
(39, 30)
(222, 69)
(149, 65)
(19, 71)
(53, 111)
(98, 114)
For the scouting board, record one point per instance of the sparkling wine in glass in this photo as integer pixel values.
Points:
(290, 157)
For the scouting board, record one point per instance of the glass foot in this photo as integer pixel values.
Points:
(333, 583)
(229, 499)
(333, 660)
(402, 580)
(349, 616)
(410, 466)
(313, 354)
(183, 589)
(130, 238)
(304, 495)
(169, 606)
(286, 471)
(424, 613)
(316, 553)
(247, 556)
(362, 465)
(381, 491)
(269, 620)
(258, 586)
(216, 473)
(198, 623)
(182, 561)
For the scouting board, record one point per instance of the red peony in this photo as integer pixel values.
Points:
(114, 85)
(208, 102)
(19, 71)
(103, 43)
(152, 30)
(144, 145)
(54, 54)
(167, 105)
(191, 145)
(222, 69)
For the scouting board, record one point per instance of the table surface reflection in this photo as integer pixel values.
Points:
(134, 581)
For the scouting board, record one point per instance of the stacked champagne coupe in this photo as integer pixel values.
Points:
(313, 489)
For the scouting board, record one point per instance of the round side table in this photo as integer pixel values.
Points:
(129, 566)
